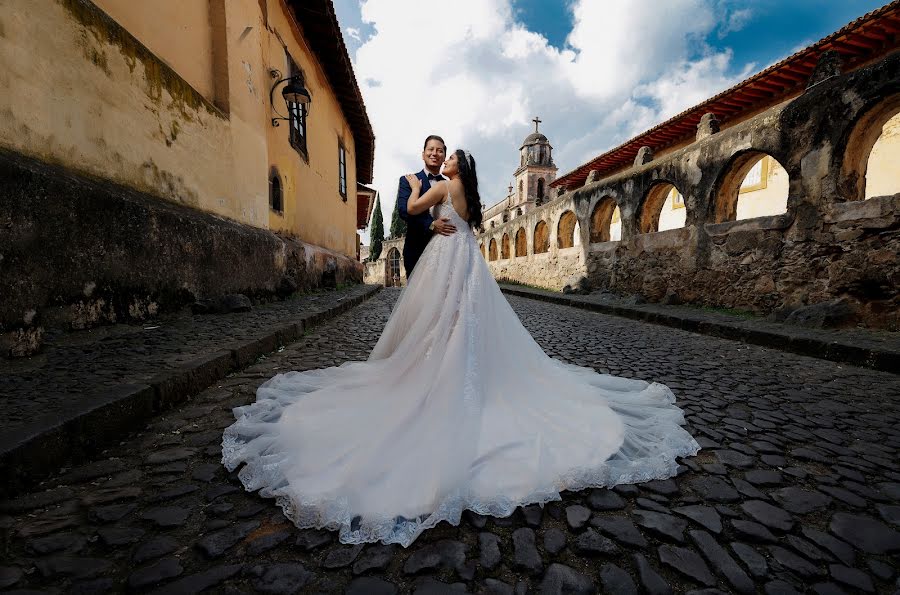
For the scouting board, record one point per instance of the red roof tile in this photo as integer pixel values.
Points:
(322, 31)
(870, 36)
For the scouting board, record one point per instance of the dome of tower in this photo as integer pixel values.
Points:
(535, 138)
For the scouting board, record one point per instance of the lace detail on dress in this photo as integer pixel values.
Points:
(456, 408)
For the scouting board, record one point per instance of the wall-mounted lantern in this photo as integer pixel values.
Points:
(294, 93)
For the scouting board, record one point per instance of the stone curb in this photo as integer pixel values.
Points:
(818, 344)
(29, 453)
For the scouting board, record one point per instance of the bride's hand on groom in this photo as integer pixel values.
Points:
(414, 182)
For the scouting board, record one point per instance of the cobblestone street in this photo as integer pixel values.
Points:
(797, 489)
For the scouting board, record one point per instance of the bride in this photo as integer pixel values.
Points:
(456, 408)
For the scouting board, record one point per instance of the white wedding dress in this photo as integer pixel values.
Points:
(456, 408)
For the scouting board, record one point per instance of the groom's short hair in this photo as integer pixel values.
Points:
(434, 137)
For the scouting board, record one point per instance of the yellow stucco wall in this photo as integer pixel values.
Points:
(883, 170)
(313, 208)
(764, 190)
(673, 214)
(80, 92)
(178, 32)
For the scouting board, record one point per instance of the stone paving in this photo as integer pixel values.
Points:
(797, 490)
(75, 365)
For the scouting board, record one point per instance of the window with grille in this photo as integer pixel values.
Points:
(297, 114)
(342, 170)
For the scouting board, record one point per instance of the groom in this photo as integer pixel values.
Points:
(420, 228)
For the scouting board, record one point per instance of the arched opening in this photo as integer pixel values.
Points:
(521, 190)
(492, 250)
(540, 188)
(521, 243)
(882, 169)
(504, 247)
(276, 196)
(754, 185)
(481, 247)
(541, 241)
(663, 209)
(392, 264)
(565, 230)
(872, 153)
(602, 221)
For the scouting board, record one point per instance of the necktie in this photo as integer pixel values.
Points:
(435, 177)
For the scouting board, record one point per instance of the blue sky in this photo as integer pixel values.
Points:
(597, 72)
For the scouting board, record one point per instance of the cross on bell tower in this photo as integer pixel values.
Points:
(537, 120)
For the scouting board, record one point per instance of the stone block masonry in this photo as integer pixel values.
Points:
(833, 248)
(77, 252)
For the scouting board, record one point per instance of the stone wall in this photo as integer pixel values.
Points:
(830, 246)
(379, 272)
(77, 252)
(551, 269)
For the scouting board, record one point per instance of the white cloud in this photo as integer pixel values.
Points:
(469, 72)
(689, 83)
(736, 21)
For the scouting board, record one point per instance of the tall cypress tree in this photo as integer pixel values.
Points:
(398, 225)
(377, 233)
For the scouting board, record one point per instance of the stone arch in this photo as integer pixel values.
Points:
(392, 268)
(481, 247)
(566, 229)
(504, 247)
(521, 243)
(602, 220)
(492, 250)
(540, 188)
(521, 190)
(872, 151)
(276, 193)
(754, 184)
(541, 241)
(661, 206)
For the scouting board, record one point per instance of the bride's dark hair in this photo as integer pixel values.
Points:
(469, 178)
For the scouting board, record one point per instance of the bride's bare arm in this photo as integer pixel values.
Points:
(419, 204)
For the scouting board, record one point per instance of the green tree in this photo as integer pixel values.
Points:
(398, 225)
(377, 232)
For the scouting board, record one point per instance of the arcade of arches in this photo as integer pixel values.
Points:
(806, 213)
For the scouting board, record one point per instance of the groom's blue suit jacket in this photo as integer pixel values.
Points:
(417, 232)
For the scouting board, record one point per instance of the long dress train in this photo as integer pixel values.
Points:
(456, 408)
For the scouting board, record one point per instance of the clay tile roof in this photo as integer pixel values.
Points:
(322, 31)
(365, 200)
(868, 37)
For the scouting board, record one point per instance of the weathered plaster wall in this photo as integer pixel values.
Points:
(178, 32)
(829, 244)
(132, 256)
(173, 100)
(81, 92)
(314, 210)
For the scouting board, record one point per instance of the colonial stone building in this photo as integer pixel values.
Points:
(779, 195)
(155, 153)
(532, 179)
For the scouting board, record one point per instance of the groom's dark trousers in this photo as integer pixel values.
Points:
(417, 226)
